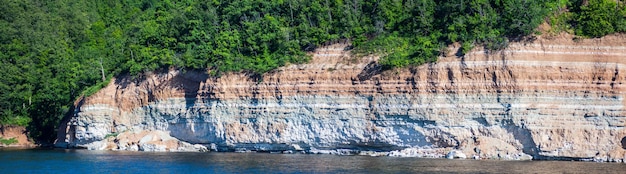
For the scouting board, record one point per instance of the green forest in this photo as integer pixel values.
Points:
(54, 51)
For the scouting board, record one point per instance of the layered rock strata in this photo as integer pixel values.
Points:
(548, 98)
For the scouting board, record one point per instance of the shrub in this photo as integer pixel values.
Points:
(8, 141)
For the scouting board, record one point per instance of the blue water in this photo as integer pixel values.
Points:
(83, 161)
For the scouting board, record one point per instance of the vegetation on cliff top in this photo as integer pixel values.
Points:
(51, 52)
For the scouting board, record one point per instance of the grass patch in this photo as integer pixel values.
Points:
(111, 135)
(8, 141)
(95, 88)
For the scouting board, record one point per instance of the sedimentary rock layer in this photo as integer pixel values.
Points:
(548, 98)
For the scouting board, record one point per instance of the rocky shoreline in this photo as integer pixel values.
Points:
(160, 142)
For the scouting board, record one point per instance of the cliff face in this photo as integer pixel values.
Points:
(548, 98)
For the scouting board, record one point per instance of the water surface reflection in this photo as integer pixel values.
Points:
(83, 161)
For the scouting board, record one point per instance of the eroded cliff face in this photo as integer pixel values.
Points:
(547, 98)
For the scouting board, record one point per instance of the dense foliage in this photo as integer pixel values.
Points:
(52, 52)
(600, 17)
(589, 18)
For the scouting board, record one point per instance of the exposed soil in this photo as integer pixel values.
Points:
(17, 132)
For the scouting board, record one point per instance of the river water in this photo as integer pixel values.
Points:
(83, 161)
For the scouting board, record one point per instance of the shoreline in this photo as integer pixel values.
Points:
(352, 152)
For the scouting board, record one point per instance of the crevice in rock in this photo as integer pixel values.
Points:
(623, 143)
(614, 78)
(190, 82)
(523, 135)
(432, 77)
(370, 70)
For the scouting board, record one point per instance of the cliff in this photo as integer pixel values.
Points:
(555, 98)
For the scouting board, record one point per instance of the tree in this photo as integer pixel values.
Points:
(597, 18)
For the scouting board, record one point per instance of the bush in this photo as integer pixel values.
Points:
(111, 135)
(16, 121)
(8, 141)
(597, 18)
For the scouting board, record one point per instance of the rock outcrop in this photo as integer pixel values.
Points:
(554, 98)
